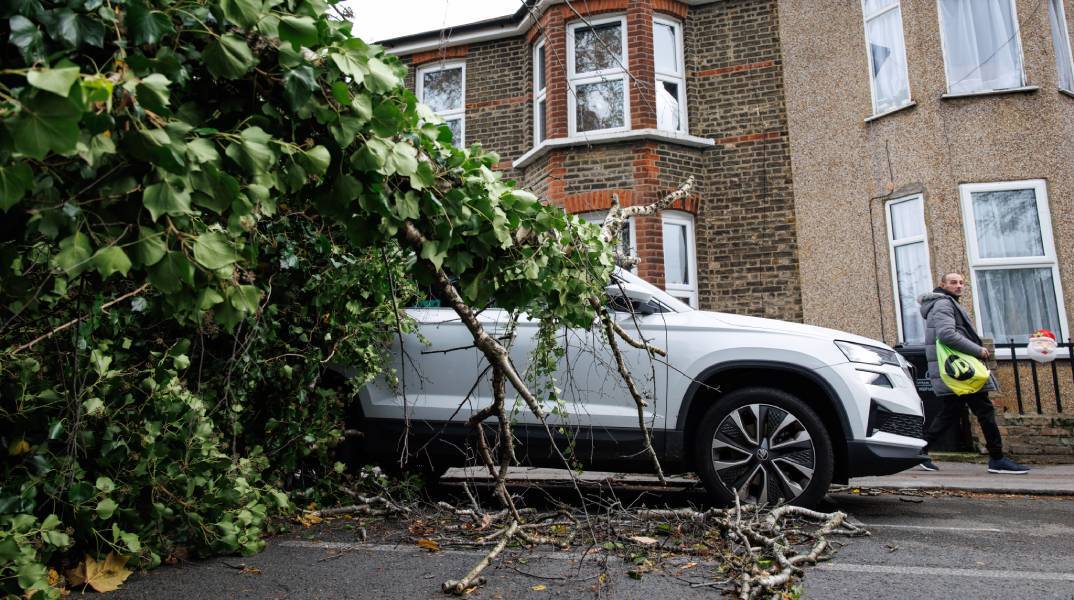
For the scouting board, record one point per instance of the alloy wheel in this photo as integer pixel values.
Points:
(763, 454)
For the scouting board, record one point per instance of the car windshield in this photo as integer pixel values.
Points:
(660, 295)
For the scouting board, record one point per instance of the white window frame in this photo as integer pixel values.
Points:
(906, 241)
(1061, 17)
(1017, 41)
(459, 113)
(618, 72)
(686, 293)
(679, 77)
(1049, 260)
(869, 55)
(597, 217)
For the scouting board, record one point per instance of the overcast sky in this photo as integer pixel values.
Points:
(382, 19)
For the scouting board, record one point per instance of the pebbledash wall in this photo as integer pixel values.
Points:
(933, 150)
(744, 254)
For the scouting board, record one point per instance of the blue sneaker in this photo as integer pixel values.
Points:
(928, 465)
(1006, 466)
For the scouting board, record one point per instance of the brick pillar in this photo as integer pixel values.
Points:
(649, 230)
(555, 51)
(640, 55)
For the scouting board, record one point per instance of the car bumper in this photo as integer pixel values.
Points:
(874, 458)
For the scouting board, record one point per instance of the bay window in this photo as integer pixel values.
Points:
(598, 99)
(886, 53)
(1012, 259)
(981, 46)
(442, 86)
(540, 95)
(670, 75)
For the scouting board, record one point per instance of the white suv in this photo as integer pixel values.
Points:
(769, 410)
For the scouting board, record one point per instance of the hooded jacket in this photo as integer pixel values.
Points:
(946, 320)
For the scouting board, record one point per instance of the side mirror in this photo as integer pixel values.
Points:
(627, 294)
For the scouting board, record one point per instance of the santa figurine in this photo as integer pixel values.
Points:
(1041, 346)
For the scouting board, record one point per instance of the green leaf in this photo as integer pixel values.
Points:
(298, 86)
(244, 13)
(316, 160)
(15, 179)
(208, 298)
(46, 123)
(244, 298)
(202, 150)
(172, 272)
(350, 67)
(27, 38)
(213, 251)
(105, 484)
(92, 148)
(32, 573)
(430, 251)
(165, 198)
(150, 247)
(253, 152)
(345, 132)
(146, 26)
(402, 159)
(106, 507)
(381, 77)
(152, 93)
(387, 119)
(75, 29)
(228, 57)
(74, 255)
(111, 259)
(57, 81)
(300, 31)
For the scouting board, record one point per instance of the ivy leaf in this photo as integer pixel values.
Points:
(14, 181)
(253, 152)
(152, 93)
(57, 81)
(46, 122)
(350, 67)
(213, 251)
(298, 86)
(172, 272)
(228, 57)
(75, 29)
(429, 251)
(316, 160)
(381, 77)
(202, 150)
(144, 25)
(244, 13)
(165, 198)
(150, 247)
(74, 254)
(27, 38)
(244, 298)
(111, 259)
(92, 148)
(300, 31)
(345, 132)
(402, 160)
(387, 119)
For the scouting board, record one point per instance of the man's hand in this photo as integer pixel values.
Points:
(985, 354)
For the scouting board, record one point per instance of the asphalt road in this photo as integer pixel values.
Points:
(921, 547)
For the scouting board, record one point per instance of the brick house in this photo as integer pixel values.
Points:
(583, 100)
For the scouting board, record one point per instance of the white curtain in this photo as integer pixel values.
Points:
(912, 277)
(1016, 302)
(888, 56)
(1007, 224)
(1061, 44)
(676, 259)
(981, 47)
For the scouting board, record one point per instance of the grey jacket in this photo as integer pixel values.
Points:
(946, 320)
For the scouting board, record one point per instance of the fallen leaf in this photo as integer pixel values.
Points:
(429, 545)
(104, 576)
(251, 570)
(643, 540)
(540, 587)
(689, 565)
(308, 520)
(53, 577)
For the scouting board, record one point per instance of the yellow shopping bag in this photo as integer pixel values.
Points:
(963, 373)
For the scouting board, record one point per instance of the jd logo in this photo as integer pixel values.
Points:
(958, 368)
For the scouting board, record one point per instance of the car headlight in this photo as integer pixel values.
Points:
(869, 355)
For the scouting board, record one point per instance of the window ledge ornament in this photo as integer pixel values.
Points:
(890, 111)
(657, 135)
(1025, 89)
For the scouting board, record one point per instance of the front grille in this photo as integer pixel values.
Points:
(908, 425)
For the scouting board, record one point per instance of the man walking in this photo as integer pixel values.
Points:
(946, 320)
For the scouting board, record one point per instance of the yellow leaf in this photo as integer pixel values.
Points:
(540, 587)
(53, 577)
(430, 545)
(104, 576)
(308, 520)
(18, 447)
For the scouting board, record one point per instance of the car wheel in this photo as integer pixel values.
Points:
(765, 446)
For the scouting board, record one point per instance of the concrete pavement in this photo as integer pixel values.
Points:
(1042, 480)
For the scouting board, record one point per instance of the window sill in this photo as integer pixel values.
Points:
(658, 135)
(1066, 92)
(1026, 89)
(891, 111)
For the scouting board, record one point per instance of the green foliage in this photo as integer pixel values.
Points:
(202, 201)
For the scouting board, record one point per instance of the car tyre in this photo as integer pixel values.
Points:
(767, 446)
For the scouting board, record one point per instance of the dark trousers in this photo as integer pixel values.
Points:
(981, 407)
